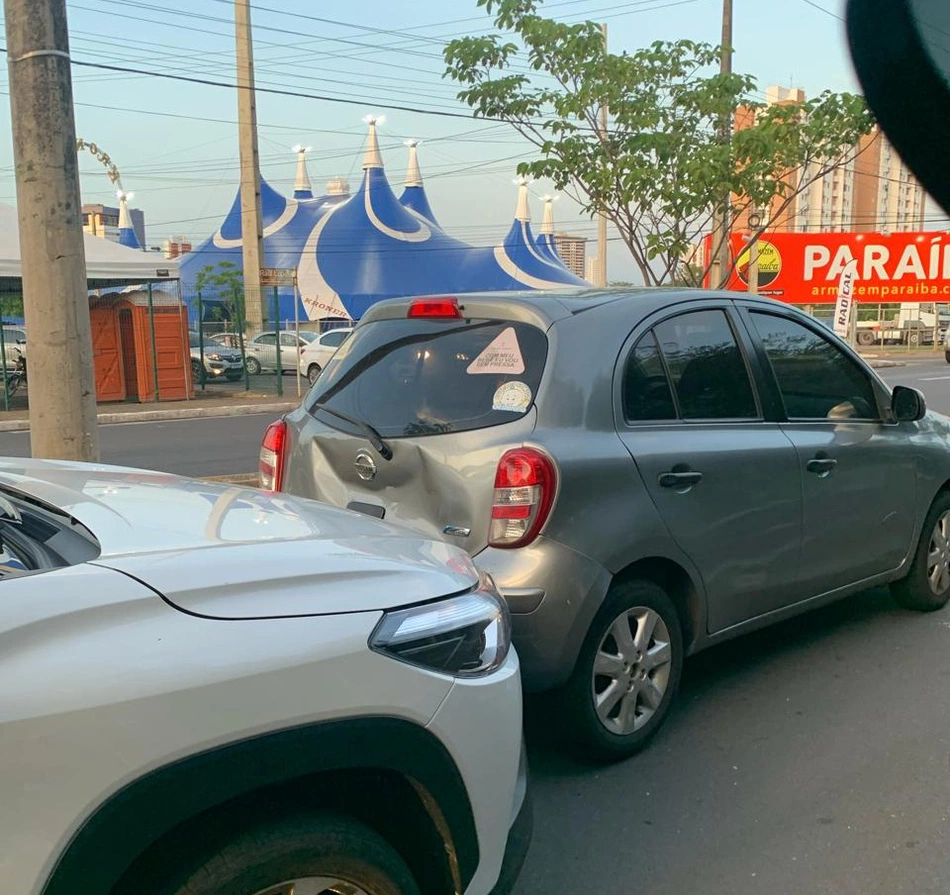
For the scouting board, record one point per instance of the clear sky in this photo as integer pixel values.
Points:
(176, 143)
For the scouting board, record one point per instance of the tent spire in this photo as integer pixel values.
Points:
(372, 159)
(547, 222)
(127, 235)
(523, 212)
(302, 187)
(413, 174)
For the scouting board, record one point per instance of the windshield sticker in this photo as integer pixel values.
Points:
(503, 355)
(512, 396)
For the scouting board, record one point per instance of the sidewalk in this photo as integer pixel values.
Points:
(204, 405)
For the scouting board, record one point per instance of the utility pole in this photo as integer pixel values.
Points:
(252, 231)
(602, 218)
(722, 255)
(63, 422)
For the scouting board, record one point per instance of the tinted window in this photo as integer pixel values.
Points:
(291, 340)
(334, 339)
(418, 377)
(266, 339)
(706, 366)
(817, 380)
(307, 337)
(646, 390)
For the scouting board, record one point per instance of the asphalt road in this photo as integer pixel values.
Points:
(202, 447)
(813, 757)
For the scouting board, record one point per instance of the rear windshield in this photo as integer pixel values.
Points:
(417, 377)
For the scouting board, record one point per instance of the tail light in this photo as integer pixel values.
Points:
(525, 483)
(271, 465)
(434, 307)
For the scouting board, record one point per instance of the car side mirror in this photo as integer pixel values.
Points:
(907, 404)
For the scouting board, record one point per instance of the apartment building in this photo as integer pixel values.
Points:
(573, 251)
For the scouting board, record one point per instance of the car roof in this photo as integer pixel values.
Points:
(545, 307)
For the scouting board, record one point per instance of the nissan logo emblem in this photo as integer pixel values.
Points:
(365, 466)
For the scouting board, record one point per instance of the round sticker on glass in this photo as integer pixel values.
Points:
(512, 396)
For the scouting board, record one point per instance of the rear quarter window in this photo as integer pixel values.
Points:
(418, 377)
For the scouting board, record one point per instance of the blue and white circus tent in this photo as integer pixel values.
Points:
(351, 251)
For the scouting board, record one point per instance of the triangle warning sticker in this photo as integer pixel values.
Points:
(502, 355)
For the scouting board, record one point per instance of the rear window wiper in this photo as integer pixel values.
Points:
(372, 435)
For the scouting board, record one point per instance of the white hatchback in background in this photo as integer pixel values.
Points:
(315, 356)
(209, 689)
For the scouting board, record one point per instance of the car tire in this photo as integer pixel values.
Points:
(253, 366)
(946, 356)
(313, 371)
(864, 337)
(927, 586)
(197, 371)
(326, 847)
(622, 726)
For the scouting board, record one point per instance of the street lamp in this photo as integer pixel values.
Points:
(755, 221)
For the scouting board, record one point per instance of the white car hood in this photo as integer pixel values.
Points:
(227, 552)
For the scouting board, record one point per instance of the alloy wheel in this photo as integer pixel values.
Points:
(314, 885)
(938, 556)
(632, 670)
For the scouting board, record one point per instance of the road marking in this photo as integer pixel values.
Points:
(932, 378)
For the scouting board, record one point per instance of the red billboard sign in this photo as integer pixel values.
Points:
(804, 268)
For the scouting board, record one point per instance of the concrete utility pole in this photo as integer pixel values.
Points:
(602, 218)
(252, 230)
(722, 257)
(55, 301)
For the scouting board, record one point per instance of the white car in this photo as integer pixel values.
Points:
(207, 689)
(261, 350)
(315, 356)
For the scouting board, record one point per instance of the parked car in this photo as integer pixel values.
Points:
(219, 362)
(228, 339)
(644, 473)
(315, 356)
(208, 689)
(261, 351)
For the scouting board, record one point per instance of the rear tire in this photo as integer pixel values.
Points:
(335, 850)
(865, 338)
(253, 366)
(627, 672)
(313, 371)
(927, 585)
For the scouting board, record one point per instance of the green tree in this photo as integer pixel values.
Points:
(224, 281)
(659, 169)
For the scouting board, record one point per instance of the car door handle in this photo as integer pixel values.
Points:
(821, 465)
(679, 479)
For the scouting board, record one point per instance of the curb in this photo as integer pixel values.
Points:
(883, 364)
(150, 416)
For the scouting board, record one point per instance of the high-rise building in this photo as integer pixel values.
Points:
(103, 221)
(873, 191)
(176, 247)
(573, 251)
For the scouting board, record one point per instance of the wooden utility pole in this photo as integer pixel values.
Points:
(55, 300)
(722, 255)
(252, 230)
(602, 217)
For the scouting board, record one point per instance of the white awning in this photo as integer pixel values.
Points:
(107, 263)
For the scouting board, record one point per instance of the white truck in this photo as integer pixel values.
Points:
(915, 324)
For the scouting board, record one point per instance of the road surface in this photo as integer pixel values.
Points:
(808, 758)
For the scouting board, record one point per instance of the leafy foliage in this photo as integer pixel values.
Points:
(661, 166)
(226, 282)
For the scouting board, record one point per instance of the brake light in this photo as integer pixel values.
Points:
(434, 307)
(525, 482)
(271, 465)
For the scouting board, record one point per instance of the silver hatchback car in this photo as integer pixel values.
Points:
(644, 474)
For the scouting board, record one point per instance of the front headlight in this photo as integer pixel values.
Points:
(464, 636)
(215, 356)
